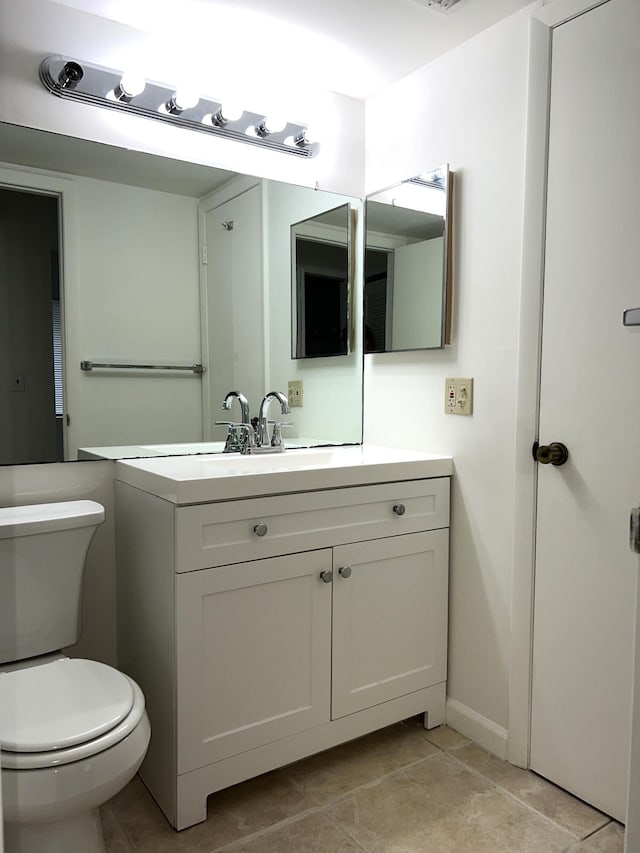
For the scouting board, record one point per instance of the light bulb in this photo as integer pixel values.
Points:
(274, 123)
(301, 139)
(130, 85)
(228, 112)
(181, 100)
(231, 111)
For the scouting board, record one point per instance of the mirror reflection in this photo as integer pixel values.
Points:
(144, 283)
(407, 265)
(320, 302)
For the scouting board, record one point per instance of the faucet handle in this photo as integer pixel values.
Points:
(233, 443)
(248, 439)
(276, 436)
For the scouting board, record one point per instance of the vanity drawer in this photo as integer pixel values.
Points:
(216, 534)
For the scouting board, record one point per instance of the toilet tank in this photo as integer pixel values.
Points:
(43, 549)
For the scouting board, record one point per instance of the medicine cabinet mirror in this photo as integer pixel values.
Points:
(321, 285)
(407, 277)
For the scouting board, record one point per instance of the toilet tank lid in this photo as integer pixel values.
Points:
(45, 518)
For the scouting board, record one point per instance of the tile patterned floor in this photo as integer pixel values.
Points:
(399, 790)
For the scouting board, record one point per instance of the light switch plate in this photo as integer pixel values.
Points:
(458, 395)
(295, 393)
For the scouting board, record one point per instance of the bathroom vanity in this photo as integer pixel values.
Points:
(274, 606)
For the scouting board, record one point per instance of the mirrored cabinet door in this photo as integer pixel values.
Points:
(407, 264)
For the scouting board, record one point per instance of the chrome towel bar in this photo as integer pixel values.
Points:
(92, 365)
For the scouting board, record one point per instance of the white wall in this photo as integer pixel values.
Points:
(468, 109)
(33, 29)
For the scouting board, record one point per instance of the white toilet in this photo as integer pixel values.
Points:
(72, 732)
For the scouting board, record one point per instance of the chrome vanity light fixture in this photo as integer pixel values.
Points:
(438, 5)
(106, 87)
(442, 5)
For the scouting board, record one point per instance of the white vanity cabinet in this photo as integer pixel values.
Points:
(264, 629)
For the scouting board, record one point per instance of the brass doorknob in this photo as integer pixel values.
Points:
(555, 453)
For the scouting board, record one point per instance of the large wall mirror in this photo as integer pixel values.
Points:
(110, 270)
(407, 277)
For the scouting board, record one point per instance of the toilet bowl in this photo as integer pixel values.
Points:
(73, 732)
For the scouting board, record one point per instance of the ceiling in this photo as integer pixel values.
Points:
(353, 47)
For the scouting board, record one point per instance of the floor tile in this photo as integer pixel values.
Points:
(443, 737)
(114, 838)
(562, 808)
(336, 772)
(313, 834)
(439, 805)
(232, 814)
(609, 839)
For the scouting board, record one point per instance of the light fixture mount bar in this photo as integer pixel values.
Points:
(93, 84)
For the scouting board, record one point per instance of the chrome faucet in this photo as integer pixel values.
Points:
(244, 405)
(263, 424)
(239, 434)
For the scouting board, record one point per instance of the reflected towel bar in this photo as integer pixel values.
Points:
(91, 365)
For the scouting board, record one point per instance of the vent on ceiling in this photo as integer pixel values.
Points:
(441, 5)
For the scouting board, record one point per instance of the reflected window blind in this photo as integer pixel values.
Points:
(57, 355)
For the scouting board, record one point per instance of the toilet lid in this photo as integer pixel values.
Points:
(57, 705)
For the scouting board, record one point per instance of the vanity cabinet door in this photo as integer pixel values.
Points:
(253, 655)
(389, 619)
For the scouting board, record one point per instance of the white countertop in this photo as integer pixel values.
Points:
(143, 451)
(192, 448)
(228, 476)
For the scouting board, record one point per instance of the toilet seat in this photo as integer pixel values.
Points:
(56, 713)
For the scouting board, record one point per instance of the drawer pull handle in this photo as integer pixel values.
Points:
(326, 576)
(345, 571)
(260, 529)
(399, 509)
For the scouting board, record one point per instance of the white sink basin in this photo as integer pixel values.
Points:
(187, 448)
(205, 478)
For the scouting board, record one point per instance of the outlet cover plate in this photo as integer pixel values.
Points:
(295, 393)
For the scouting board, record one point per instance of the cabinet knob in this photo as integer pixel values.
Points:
(326, 576)
(260, 529)
(345, 571)
(399, 509)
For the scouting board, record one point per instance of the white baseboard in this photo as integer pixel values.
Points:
(477, 728)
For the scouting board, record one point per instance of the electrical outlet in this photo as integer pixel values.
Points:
(458, 396)
(295, 393)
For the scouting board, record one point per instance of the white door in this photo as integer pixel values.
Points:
(632, 834)
(590, 401)
(234, 306)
